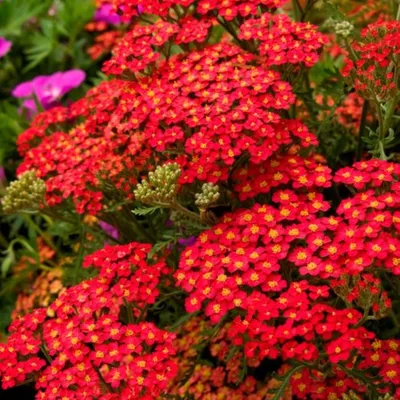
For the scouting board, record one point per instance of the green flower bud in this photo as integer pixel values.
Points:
(343, 28)
(161, 186)
(25, 194)
(208, 196)
(178, 218)
(351, 396)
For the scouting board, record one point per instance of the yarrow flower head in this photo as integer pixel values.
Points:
(83, 343)
(236, 268)
(376, 50)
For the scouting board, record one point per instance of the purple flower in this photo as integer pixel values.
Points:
(111, 231)
(5, 46)
(2, 175)
(186, 242)
(106, 14)
(140, 9)
(48, 89)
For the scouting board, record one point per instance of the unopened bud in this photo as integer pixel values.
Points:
(208, 196)
(343, 28)
(25, 194)
(161, 186)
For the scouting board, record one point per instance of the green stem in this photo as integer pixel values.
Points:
(3, 241)
(137, 228)
(298, 11)
(108, 386)
(174, 205)
(42, 234)
(129, 311)
(361, 131)
(353, 54)
(389, 115)
(309, 6)
(232, 32)
(142, 314)
(45, 268)
(184, 210)
(46, 353)
(365, 317)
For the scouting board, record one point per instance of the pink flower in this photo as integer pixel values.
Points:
(48, 90)
(106, 14)
(5, 46)
(110, 230)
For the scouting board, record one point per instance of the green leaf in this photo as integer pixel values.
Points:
(333, 11)
(181, 321)
(15, 13)
(7, 262)
(41, 44)
(145, 210)
(159, 246)
(280, 392)
(74, 15)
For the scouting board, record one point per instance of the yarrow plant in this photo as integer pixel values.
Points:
(81, 346)
(255, 258)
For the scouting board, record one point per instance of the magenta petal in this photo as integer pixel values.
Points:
(106, 14)
(49, 89)
(71, 79)
(5, 46)
(24, 89)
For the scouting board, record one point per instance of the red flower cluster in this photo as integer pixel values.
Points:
(104, 43)
(228, 9)
(258, 264)
(221, 381)
(293, 280)
(308, 173)
(41, 126)
(82, 346)
(139, 48)
(369, 236)
(379, 47)
(72, 162)
(215, 104)
(283, 41)
(350, 112)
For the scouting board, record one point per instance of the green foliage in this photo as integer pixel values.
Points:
(42, 44)
(284, 380)
(74, 15)
(15, 13)
(57, 37)
(11, 124)
(142, 211)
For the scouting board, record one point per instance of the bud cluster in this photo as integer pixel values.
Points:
(343, 29)
(161, 186)
(208, 196)
(178, 218)
(25, 194)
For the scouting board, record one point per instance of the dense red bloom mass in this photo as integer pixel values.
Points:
(80, 347)
(213, 103)
(291, 278)
(283, 41)
(228, 9)
(243, 265)
(210, 382)
(378, 47)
